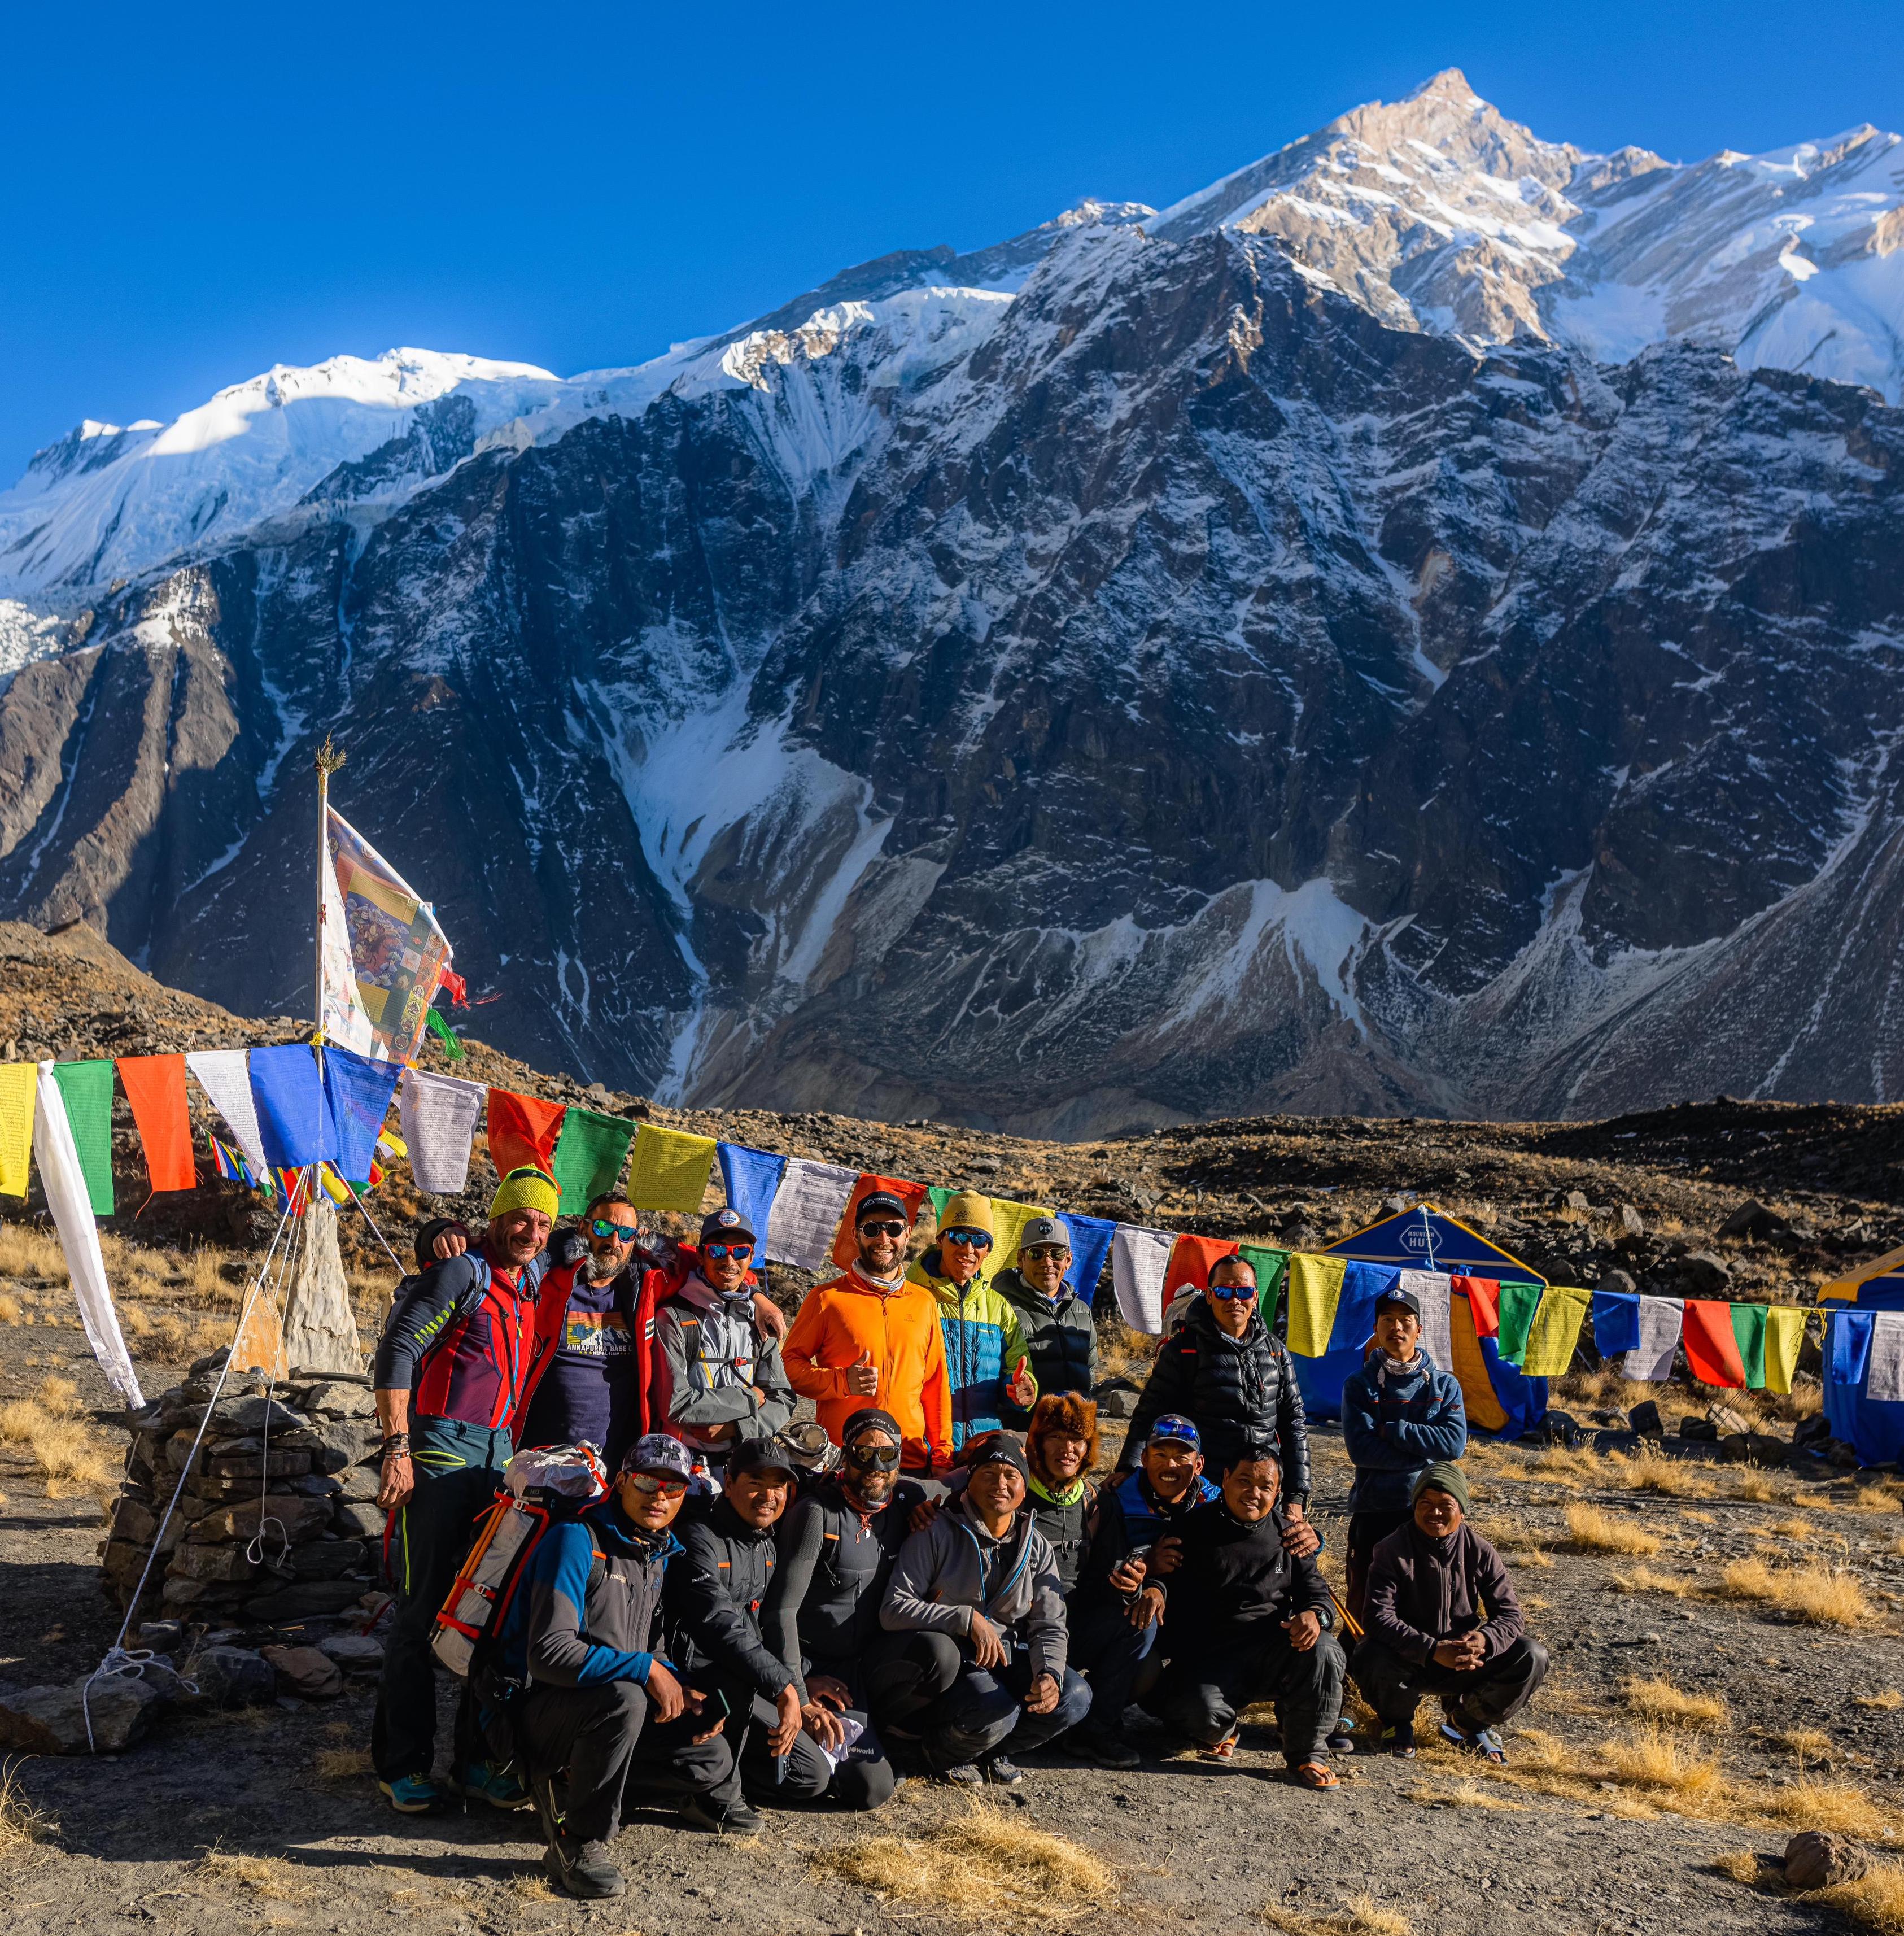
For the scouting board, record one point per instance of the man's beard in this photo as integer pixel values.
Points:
(603, 1270)
(873, 1489)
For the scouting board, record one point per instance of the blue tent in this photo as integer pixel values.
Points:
(1876, 1426)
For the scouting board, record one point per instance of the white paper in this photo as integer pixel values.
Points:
(57, 1157)
(225, 1075)
(439, 1114)
(1434, 1288)
(1140, 1261)
(1660, 1321)
(1884, 1380)
(806, 1212)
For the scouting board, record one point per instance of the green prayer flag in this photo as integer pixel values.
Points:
(940, 1199)
(1269, 1266)
(442, 1030)
(1518, 1302)
(589, 1154)
(87, 1089)
(1749, 1332)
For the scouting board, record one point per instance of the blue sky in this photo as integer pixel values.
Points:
(195, 193)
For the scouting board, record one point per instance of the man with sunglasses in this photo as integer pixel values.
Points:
(713, 1377)
(601, 1701)
(837, 1547)
(1054, 1316)
(985, 1354)
(871, 1334)
(1222, 1369)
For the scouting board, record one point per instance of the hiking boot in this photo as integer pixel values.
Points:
(413, 1794)
(497, 1784)
(1106, 1749)
(1001, 1772)
(962, 1774)
(1399, 1740)
(736, 1820)
(582, 1869)
(548, 1806)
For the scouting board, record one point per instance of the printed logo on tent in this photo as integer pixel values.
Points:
(1414, 1239)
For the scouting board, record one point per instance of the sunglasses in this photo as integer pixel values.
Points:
(883, 1230)
(1178, 1430)
(1237, 1293)
(740, 1253)
(969, 1240)
(623, 1233)
(1045, 1254)
(650, 1483)
(873, 1458)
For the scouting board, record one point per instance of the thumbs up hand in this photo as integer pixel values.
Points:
(861, 1378)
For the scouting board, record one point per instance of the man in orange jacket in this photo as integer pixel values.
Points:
(871, 1338)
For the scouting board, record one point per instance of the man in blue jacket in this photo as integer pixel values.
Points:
(1402, 1413)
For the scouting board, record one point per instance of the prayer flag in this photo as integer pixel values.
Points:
(1748, 1334)
(806, 1212)
(334, 1186)
(294, 1114)
(1139, 1260)
(390, 1143)
(1518, 1302)
(1847, 1345)
(1784, 1333)
(1433, 1289)
(439, 1115)
(1485, 1411)
(1009, 1221)
(64, 1181)
(590, 1155)
(445, 1034)
(941, 1197)
(154, 1087)
(1315, 1290)
(846, 1246)
(1659, 1320)
(522, 1131)
(1364, 1286)
(223, 1075)
(19, 1087)
(1191, 1262)
(1090, 1251)
(1615, 1322)
(1269, 1266)
(359, 1091)
(1883, 1382)
(1712, 1351)
(750, 1179)
(670, 1169)
(1483, 1296)
(86, 1089)
(1555, 1332)
(383, 954)
(228, 1163)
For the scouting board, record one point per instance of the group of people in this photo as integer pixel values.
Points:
(928, 1582)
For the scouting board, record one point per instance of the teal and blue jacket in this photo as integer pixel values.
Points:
(984, 1343)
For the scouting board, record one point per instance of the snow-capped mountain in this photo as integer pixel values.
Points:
(1159, 666)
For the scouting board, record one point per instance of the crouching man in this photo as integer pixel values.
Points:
(1442, 1620)
(1248, 1621)
(977, 1591)
(599, 1702)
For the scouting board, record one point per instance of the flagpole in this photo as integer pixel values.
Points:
(328, 760)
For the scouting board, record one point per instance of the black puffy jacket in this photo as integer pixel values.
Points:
(1233, 1390)
(1063, 1341)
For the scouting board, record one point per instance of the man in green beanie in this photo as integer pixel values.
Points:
(1442, 1619)
(460, 1356)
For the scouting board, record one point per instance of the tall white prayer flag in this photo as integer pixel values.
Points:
(438, 1116)
(383, 952)
(225, 1077)
(1434, 1289)
(811, 1199)
(1660, 1320)
(1140, 1261)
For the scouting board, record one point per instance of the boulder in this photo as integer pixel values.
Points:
(1618, 1281)
(332, 1443)
(337, 1399)
(1645, 1420)
(53, 1720)
(356, 1653)
(329, 1558)
(1577, 1200)
(300, 1599)
(1752, 1222)
(1702, 1430)
(135, 1523)
(1704, 1275)
(356, 1520)
(1817, 1859)
(1725, 1421)
(1815, 1430)
(232, 1676)
(305, 1672)
(1633, 1225)
(226, 1563)
(1117, 1404)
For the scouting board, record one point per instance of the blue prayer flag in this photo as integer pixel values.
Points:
(294, 1117)
(1090, 1247)
(359, 1089)
(751, 1177)
(1616, 1322)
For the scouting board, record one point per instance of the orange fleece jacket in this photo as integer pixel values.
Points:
(847, 1316)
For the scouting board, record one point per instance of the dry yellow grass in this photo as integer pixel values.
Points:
(1889, 1700)
(1874, 1901)
(1794, 1528)
(1671, 1478)
(1808, 1803)
(1820, 1596)
(1591, 1529)
(1513, 1535)
(269, 1877)
(26, 1252)
(1660, 1701)
(979, 1866)
(1878, 1498)
(1741, 1865)
(10, 1308)
(68, 1452)
(1762, 1488)
(1650, 1580)
(1566, 1465)
(1460, 1795)
(1360, 1916)
(1655, 1761)
(342, 1764)
(25, 1829)
(58, 1395)
(1808, 1746)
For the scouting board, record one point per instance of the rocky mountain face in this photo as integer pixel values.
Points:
(1139, 673)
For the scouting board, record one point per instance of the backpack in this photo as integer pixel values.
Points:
(540, 1485)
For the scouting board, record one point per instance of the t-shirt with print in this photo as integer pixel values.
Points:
(590, 1390)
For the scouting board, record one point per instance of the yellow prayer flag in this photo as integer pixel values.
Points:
(1315, 1289)
(19, 1083)
(1785, 1332)
(670, 1169)
(1555, 1332)
(1009, 1221)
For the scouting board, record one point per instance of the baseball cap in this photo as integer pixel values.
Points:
(1173, 1428)
(726, 1225)
(656, 1452)
(880, 1203)
(1043, 1230)
(1397, 1293)
(761, 1455)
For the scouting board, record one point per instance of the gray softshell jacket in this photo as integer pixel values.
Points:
(707, 1353)
(955, 1566)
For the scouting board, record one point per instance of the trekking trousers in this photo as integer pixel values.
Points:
(1483, 1697)
(1204, 1699)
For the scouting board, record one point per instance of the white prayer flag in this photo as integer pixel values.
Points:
(383, 952)
(1884, 1381)
(806, 1212)
(64, 1181)
(225, 1077)
(1660, 1319)
(1140, 1261)
(438, 1116)
(1433, 1289)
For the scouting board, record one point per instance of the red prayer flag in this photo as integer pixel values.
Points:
(1711, 1345)
(1483, 1296)
(523, 1130)
(1191, 1260)
(155, 1087)
(846, 1245)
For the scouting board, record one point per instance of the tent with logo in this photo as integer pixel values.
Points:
(1499, 1399)
(1864, 1358)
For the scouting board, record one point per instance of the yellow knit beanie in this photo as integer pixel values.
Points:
(528, 1188)
(966, 1210)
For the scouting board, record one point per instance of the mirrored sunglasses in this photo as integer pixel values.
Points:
(1237, 1293)
(969, 1240)
(873, 1458)
(623, 1233)
(740, 1253)
(1172, 1426)
(653, 1482)
(882, 1229)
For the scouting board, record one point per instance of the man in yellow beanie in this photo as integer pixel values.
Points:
(986, 1356)
(460, 1353)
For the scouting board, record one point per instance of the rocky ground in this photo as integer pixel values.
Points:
(1693, 1719)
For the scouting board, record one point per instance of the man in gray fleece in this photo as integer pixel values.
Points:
(977, 1593)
